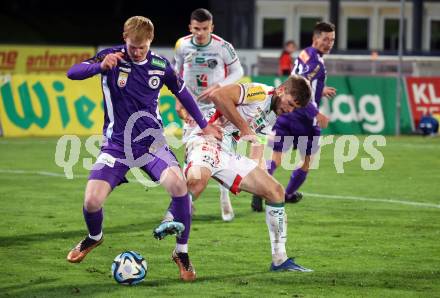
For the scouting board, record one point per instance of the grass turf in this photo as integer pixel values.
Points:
(356, 247)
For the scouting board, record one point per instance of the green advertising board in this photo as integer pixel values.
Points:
(363, 105)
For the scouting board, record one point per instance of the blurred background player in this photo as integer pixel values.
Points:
(247, 108)
(206, 62)
(131, 79)
(302, 127)
(285, 63)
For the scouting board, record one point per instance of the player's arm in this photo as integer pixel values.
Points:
(234, 70)
(226, 99)
(181, 112)
(189, 104)
(94, 66)
(311, 69)
(177, 87)
(329, 92)
(178, 67)
(178, 57)
(235, 73)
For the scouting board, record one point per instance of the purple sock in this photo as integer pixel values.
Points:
(180, 208)
(93, 221)
(296, 180)
(271, 166)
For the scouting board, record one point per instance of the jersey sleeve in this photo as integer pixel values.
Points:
(312, 69)
(172, 80)
(307, 66)
(228, 54)
(88, 67)
(100, 56)
(251, 93)
(178, 57)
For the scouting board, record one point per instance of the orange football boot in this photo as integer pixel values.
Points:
(79, 252)
(186, 269)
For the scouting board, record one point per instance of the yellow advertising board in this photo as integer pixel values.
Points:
(53, 105)
(16, 59)
(49, 105)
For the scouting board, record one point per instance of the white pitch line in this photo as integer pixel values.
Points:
(353, 198)
(326, 196)
(40, 173)
(395, 201)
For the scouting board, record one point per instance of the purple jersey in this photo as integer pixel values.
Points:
(131, 92)
(301, 122)
(310, 65)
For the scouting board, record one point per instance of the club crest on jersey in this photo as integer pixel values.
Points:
(122, 79)
(154, 82)
(212, 63)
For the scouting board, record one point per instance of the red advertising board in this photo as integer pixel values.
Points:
(423, 95)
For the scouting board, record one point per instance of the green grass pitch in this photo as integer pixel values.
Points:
(354, 229)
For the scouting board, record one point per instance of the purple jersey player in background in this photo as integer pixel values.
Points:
(302, 127)
(131, 77)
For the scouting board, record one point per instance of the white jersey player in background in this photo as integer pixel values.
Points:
(206, 62)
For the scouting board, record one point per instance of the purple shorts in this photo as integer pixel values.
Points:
(297, 130)
(112, 163)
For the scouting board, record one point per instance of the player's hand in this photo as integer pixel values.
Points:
(329, 92)
(250, 137)
(322, 120)
(111, 60)
(190, 121)
(206, 95)
(213, 130)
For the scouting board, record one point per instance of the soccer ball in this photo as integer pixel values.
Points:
(129, 268)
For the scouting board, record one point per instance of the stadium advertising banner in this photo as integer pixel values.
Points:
(49, 105)
(363, 105)
(424, 96)
(16, 59)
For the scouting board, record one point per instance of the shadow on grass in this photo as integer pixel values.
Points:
(24, 239)
(241, 283)
(33, 288)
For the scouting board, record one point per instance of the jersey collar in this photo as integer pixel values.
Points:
(147, 58)
(202, 46)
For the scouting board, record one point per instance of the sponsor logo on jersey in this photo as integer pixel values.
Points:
(312, 74)
(200, 60)
(256, 93)
(158, 63)
(107, 159)
(156, 72)
(125, 69)
(189, 56)
(212, 63)
(202, 80)
(154, 82)
(122, 79)
(210, 54)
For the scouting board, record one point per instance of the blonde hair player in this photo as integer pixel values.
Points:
(131, 77)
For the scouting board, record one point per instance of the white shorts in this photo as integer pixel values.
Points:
(226, 167)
